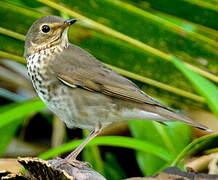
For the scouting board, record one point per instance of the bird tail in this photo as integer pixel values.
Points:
(173, 116)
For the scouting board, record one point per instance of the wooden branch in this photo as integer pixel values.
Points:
(38, 169)
(174, 173)
(46, 170)
(201, 163)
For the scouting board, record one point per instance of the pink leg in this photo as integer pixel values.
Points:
(71, 158)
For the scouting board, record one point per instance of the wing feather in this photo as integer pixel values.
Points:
(79, 68)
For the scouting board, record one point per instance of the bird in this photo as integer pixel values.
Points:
(82, 91)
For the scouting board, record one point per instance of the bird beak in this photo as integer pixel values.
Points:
(69, 22)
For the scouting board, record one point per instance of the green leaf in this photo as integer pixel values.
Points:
(166, 137)
(117, 141)
(199, 11)
(112, 169)
(204, 87)
(8, 131)
(8, 106)
(20, 110)
(200, 144)
(189, 26)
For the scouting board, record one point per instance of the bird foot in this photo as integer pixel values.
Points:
(76, 163)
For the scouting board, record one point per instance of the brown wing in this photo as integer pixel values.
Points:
(78, 68)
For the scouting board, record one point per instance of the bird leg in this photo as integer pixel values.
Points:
(71, 158)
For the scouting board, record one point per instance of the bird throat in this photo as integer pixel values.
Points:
(43, 54)
(38, 67)
(56, 45)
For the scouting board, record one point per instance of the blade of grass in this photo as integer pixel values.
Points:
(12, 34)
(20, 110)
(6, 55)
(118, 141)
(112, 167)
(203, 4)
(165, 137)
(193, 147)
(97, 26)
(203, 12)
(7, 133)
(173, 133)
(206, 88)
(173, 27)
(190, 26)
(142, 130)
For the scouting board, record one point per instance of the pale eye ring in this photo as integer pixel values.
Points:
(45, 28)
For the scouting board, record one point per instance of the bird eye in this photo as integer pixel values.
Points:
(45, 28)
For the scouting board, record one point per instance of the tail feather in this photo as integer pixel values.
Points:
(178, 117)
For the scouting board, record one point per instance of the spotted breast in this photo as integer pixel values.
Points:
(47, 86)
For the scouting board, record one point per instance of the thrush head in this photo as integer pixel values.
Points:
(47, 32)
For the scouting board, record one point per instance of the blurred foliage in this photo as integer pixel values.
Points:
(8, 131)
(198, 145)
(164, 136)
(199, 11)
(157, 44)
(203, 86)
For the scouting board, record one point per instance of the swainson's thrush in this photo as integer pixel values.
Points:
(82, 91)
